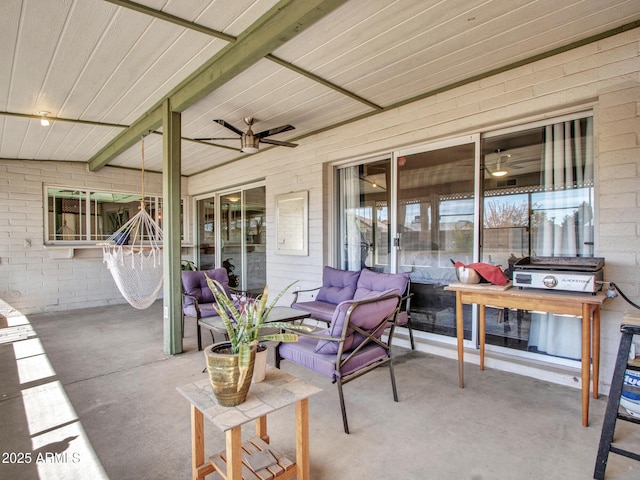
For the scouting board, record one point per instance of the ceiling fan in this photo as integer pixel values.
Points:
(250, 141)
(503, 158)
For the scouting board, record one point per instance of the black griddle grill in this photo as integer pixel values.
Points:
(566, 264)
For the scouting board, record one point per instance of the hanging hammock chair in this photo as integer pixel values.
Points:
(133, 254)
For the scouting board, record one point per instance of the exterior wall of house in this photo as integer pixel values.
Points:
(36, 278)
(602, 76)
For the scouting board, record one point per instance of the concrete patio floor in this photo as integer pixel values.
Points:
(90, 395)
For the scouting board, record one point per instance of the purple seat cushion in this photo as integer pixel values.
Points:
(403, 318)
(195, 283)
(303, 353)
(370, 281)
(318, 309)
(337, 285)
(206, 309)
(366, 316)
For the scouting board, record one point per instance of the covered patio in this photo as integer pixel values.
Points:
(106, 404)
(399, 112)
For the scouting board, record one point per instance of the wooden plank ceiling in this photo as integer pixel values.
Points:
(100, 68)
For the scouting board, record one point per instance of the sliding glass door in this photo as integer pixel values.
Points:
(436, 226)
(364, 201)
(206, 236)
(232, 234)
(255, 238)
(495, 198)
(413, 212)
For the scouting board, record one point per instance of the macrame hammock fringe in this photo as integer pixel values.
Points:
(133, 255)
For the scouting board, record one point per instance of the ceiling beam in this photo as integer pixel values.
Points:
(230, 38)
(475, 78)
(61, 119)
(167, 17)
(149, 122)
(276, 27)
(322, 81)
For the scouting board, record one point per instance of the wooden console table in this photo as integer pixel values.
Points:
(582, 305)
(278, 390)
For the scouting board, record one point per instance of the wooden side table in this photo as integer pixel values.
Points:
(278, 390)
(582, 305)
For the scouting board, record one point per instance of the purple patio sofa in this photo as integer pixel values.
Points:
(341, 285)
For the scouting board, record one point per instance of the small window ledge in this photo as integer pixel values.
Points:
(68, 251)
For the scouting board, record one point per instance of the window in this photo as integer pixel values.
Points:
(493, 197)
(75, 215)
(538, 201)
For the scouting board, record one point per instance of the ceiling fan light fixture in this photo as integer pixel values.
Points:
(249, 144)
(499, 171)
(249, 141)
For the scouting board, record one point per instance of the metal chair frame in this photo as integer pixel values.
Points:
(371, 337)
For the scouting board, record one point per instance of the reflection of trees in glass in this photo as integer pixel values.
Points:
(500, 214)
(463, 238)
(580, 216)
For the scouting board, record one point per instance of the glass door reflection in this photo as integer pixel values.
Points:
(364, 216)
(231, 241)
(436, 223)
(255, 232)
(206, 233)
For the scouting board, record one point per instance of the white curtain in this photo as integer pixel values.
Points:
(350, 191)
(568, 168)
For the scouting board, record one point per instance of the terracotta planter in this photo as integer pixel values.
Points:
(260, 366)
(224, 374)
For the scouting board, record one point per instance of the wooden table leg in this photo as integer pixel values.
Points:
(586, 362)
(596, 350)
(197, 442)
(482, 332)
(261, 429)
(460, 337)
(234, 453)
(303, 469)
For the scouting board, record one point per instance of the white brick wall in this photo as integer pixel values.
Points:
(32, 279)
(604, 76)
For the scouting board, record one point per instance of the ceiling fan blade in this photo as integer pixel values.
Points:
(275, 131)
(278, 142)
(215, 138)
(229, 126)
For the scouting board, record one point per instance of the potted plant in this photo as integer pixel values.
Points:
(230, 363)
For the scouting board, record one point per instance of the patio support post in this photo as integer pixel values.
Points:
(171, 160)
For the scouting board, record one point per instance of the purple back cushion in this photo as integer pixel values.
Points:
(367, 317)
(195, 283)
(337, 285)
(370, 281)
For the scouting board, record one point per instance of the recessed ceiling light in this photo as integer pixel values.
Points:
(44, 121)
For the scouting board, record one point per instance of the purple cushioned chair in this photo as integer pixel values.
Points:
(198, 300)
(370, 280)
(337, 286)
(354, 343)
